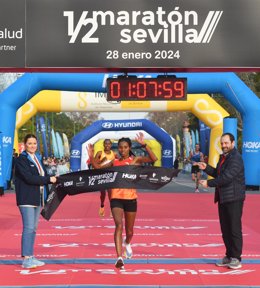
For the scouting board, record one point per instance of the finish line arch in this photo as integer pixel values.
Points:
(201, 105)
(122, 125)
(227, 84)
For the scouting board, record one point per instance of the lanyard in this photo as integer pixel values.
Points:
(39, 167)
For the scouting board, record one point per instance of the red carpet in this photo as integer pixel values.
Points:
(177, 241)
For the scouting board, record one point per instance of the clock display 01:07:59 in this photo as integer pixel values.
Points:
(130, 89)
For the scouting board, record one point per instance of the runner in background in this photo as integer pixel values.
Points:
(196, 156)
(103, 157)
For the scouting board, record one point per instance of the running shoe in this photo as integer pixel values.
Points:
(234, 263)
(197, 190)
(101, 211)
(223, 262)
(119, 263)
(28, 263)
(37, 262)
(128, 250)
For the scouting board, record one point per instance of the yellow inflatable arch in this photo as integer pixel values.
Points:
(201, 105)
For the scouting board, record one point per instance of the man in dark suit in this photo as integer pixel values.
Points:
(229, 182)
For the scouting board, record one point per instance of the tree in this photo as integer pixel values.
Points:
(68, 123)
(171, 122)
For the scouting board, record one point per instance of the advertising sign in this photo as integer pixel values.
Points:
(12, 33)
(129, 34)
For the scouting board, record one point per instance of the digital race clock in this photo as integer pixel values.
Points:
(130, 88)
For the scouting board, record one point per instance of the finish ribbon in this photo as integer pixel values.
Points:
(130, 176)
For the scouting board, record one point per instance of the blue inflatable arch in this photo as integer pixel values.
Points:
(227, 84)
(122, 125)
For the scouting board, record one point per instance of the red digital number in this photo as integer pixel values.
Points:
(154, 88)
(115, 90)
(141, 89)
(161, 88)
(178, 87)
(167, 87)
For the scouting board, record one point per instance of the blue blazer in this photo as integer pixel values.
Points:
(28, 180)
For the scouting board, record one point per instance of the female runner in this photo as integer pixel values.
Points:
(123, 201)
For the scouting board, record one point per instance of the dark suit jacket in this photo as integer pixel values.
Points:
(229, 179)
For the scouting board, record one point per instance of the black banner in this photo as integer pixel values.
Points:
(141, 177)
(54, 200)
(128, 34)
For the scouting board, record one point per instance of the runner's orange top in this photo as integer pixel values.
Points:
(123, 193)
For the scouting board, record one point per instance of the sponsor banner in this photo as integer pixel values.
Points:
(129, 34)
(107, 178)
(116, 177)
(12, 33)
(111, 125)
(75, 153)
(251, 146)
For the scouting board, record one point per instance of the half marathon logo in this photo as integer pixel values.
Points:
(159, 26)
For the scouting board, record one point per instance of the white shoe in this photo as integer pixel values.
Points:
(119, 263)
(37, 262)
(128, 250)
(28, 263)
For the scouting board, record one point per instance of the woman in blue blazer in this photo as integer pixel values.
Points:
(31, 187)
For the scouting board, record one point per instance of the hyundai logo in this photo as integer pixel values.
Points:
(107, 125)
(75, 152)
(167, 152)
